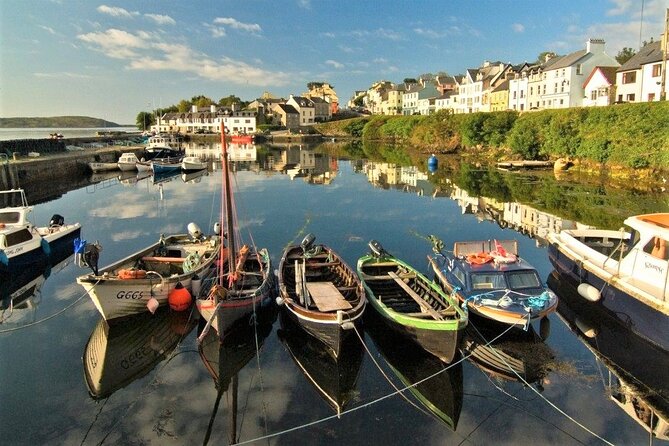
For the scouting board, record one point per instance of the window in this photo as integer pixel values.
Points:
(657, 70)
(593, 95)
(523, 279)
(651, 97)
(9, 217)
(579, 68)
(630, 97)
(657, 247)
(629, 77)
(14, 238)
(488, 281)
(457, 272)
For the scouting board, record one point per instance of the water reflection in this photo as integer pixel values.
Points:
(20, 292)
(436, 386)
(224, 360)
(116, 356)
(635, 375)
(515, 355)
(334, 378)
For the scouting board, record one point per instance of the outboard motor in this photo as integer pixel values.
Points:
(377, 249)
(217, 228)
(57, 220)
(194, 231)
(307, 242)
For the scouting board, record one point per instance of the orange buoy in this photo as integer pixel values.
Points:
(179, 298)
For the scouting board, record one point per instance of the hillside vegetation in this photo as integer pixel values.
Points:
(56, 122)
(628, 135)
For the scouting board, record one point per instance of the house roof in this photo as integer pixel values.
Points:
(303, 102)
(609, 74)
(566, 61)
(648, 54)
(502, 86)
(288, 109)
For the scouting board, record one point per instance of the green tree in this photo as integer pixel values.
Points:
(541, 58)
(624, 55)
(229, 100)
(183, 106)
(144, 120)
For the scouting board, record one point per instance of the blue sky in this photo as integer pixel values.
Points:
(112, 59)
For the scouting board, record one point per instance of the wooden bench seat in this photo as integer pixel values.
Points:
(326, 296)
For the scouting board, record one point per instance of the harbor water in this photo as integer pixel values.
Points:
(151, 384)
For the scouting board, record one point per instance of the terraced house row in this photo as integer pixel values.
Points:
(588, 77)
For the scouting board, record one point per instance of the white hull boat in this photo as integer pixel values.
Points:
(145, 279)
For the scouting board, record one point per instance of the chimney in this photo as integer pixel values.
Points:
(212, 108)
(594, 46)
(486, 63)
(193, 108)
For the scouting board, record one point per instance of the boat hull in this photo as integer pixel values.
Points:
(643, 319)
(329, 325)
(440, 337)
(116, 297)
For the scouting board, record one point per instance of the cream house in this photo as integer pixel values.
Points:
(305, 107)
(640, 78)
(600, 87)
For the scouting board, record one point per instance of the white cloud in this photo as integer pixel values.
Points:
(216, 31)
(47, 29)
(621, 7)
(432, 34)
(116, 43)
(334, 63)
(518, 27)
(380, 60)
(328, 34)
(235, 24)
(161, 19)
(62, 74)
(380, 33)
(306, 4)
(115, 11)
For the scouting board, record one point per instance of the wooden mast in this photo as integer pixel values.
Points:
(227, 204)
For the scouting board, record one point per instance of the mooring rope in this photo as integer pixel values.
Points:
(369, 403)
(550, 403)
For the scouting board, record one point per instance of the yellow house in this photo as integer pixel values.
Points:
(499, 97)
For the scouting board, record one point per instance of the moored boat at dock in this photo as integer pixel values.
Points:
(410, 304)
(626, 271)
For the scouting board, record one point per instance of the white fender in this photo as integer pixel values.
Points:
(589, 292)
(279, 300)
(585, 328)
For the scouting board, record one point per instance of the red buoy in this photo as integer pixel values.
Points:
(179, 298)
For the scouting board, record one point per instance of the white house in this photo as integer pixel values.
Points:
(565, 78)
(640, 78)
(600, 87)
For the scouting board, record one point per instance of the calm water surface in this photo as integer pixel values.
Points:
(156, 387)
(37, 133)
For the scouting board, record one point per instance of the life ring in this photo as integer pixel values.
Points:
(125, 274)
(505, 257)
(479, 258)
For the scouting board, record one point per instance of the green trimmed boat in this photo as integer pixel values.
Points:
(411, 304)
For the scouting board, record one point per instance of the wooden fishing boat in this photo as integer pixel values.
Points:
(166, 166)
(410, 304)
(626, 271)
(145, 279)
(436, 386)
(334, 378)
(245, 280)
(320, 292)
(493, 281)
(117, 355)
(24, 245)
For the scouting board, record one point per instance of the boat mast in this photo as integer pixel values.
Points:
(227, 201)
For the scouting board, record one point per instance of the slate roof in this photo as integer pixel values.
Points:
(501, 87)
(288, 109)
(565, 61)
(648, 54)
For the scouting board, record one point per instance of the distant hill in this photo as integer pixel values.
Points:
(56, 122)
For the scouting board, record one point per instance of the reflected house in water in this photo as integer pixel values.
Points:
(392, 176)
(299, 162)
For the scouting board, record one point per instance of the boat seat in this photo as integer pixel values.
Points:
(163, 259)
(327, 297)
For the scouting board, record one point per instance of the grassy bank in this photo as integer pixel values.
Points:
(618, 136)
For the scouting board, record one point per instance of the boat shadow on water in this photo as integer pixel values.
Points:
(334, 378)
(117, 355)
(637, 379)
(434, 385)
(225, 359)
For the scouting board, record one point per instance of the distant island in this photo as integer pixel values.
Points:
(56, 122)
